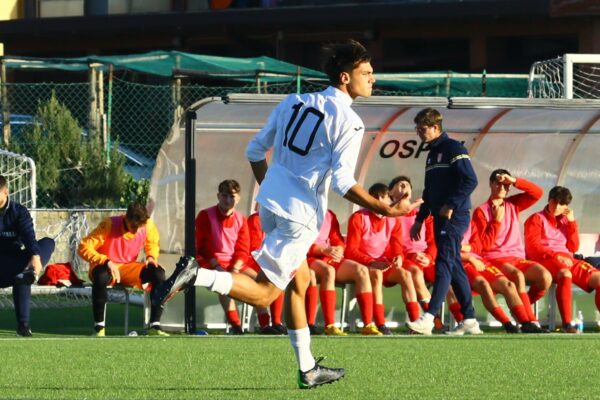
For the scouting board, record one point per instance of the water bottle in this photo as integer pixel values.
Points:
(579, 321)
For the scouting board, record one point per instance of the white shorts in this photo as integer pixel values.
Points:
(284, 248)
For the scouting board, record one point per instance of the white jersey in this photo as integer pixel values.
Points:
(315, 137)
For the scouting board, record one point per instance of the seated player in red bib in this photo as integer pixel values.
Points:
(551, 238)
(374, 240)
(325, 259)
(223, 243)
(486, 279)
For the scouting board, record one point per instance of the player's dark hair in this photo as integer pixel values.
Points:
(379, 190)
(137, 214)
(229, 186)
(398, 179)
(496, 172)
(343, 57)
(3, 182)
(430, 117)
(561, 195)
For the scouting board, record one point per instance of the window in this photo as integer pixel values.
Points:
(138, 6)
(61, 8)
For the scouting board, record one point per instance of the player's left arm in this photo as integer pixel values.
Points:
(152, 243)
(460, 163)
(241, 250)
(256, 151)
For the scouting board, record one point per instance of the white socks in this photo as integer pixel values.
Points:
(300, 340)
(216, 281)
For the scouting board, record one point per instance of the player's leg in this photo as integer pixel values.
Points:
(418, 278)
(376, 276)
(402, 277)
(311, 300)
(481, 286)
(101, 278)
(594, 284)
(353, 272)
(564, 295)
(261, 312)
(310, 373)
(446, 247)
(539, 279)
(326, 276)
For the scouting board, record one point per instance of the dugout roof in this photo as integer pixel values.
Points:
(551, 142)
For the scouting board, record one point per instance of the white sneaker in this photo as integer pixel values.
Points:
(467, 327)
(423, 325)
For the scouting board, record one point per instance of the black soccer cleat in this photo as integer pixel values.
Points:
(509, 327)
(530, 327)
(281, 329)
(319, 375)
(184, 274)
(23, 330)
(385, 330)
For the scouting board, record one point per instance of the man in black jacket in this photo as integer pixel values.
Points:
(449, 182)
(21, 255)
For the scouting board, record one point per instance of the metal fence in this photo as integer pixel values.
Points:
(138, 115)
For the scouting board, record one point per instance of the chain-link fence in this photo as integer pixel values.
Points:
(120, 125)
(136, 116)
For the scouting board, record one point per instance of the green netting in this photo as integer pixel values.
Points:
(163, 63)
(450, 84)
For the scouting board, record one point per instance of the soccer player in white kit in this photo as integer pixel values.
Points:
(316, 138)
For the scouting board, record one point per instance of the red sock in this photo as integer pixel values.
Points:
(311, 302)
(563, 298)
(520, 314)
(500, 315)
(528, 308)
(365, 302)
(263, 319)
(276, 308)
(455, 310)
(598, 299)
(328, 306)
(233, 318)
(379, 314)
(535, 294)
(412, 308)
(425, 305)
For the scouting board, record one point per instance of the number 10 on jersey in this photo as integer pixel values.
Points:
(303, 129)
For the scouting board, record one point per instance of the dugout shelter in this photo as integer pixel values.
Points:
(548, 141)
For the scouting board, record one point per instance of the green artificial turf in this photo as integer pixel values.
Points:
(492, 366)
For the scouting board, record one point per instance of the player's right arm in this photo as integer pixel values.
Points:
(256, 151)
(88, 246)
(358, 195)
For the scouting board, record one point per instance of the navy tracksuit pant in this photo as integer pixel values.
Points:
(449, 269)
(12, 263)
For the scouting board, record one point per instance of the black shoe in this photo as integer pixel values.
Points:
(530, 327)
(268, 330)
(280, 328)
(384, 329)
(185, 272)
(319, 375)
(509, 327)
(26, 277)
(24, 330)
(236, 330)
(568, 328)
(315, 330)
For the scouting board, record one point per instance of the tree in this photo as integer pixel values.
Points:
(72, 166)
